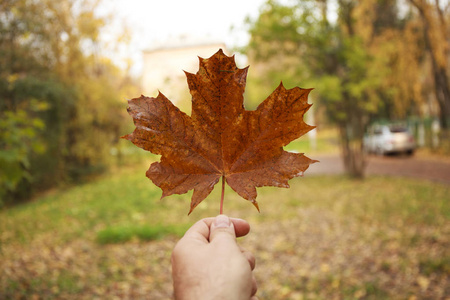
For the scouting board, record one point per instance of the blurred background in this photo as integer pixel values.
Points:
(79, 219)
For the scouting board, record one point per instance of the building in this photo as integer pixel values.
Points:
(165, 63)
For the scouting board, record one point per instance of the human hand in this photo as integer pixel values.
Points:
(207, 263)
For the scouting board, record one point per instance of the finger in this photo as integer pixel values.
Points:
(241, 227)
(199, 231)
(254, 287)
(222, 228)
(250, 258)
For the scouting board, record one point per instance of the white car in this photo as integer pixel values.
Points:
(387, 139)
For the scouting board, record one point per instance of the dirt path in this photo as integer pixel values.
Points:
(405, 166)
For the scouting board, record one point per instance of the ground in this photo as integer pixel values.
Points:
(327, 237)
(435, 169)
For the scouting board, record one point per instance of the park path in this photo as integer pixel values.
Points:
(433, 169)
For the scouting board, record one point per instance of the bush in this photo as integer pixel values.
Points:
(18, 140)
(122, 234)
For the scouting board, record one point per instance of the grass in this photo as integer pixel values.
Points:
(326, 141)
(440, 265)
(325, 237)
(121, 234)
(117, 207)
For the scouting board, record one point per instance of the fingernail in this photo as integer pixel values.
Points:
(222, 221)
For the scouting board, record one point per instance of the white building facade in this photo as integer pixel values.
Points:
(164, 66)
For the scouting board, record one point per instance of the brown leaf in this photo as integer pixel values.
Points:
(221, 138)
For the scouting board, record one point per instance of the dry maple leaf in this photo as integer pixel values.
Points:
(221, 138)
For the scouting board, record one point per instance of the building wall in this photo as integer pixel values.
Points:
(164, 68)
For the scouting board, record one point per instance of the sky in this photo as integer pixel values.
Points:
(154, 21)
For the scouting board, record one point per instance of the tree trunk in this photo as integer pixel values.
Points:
(352, 128)
(353, 154)
(439, 67)
(351, 132)
(442, 92)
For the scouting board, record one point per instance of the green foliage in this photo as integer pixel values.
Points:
(357, 76)
(121, 234)
(51, 52)
(298, 43)
(19, 137)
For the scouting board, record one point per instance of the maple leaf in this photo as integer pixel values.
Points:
(221, 139)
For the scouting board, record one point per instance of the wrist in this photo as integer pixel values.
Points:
(206, 291)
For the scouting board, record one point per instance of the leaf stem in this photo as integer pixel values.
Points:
(223, 194)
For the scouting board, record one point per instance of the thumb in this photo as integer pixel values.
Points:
(222, 229)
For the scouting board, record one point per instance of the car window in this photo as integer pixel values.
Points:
(377, 132)
(398, 129)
